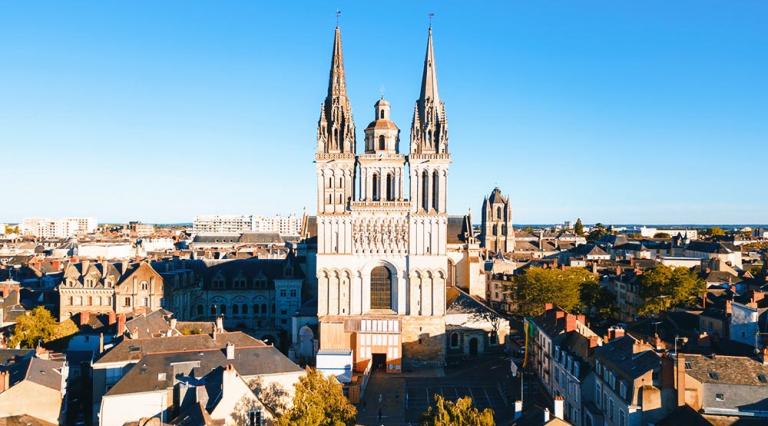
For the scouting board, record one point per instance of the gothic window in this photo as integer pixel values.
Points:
(213, 310)
(245, 309)
(495, 229)
(90, 300)
(330, 198)
(263, 308)
(235, 309)
(382, 142)
(425, 190)
(330, 182)
(435, 191)
(381, 288)
(218, 282)
(223, 309)
(127, 302)
(498, 212)
(375, 186)
(454, 340)
(382, 114)
(390, 187)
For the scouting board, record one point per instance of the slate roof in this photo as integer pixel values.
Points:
(261, 238)
(36, 370)
(617, 355)
(709, 247)
(134, 349)
(153, 324)
(457, 229)
(24, 420)
(732, 370)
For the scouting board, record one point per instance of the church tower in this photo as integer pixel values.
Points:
(429, 160)
(335, 156)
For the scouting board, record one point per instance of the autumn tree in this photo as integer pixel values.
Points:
(578, 228)
(560, 287)
(36, 326)
(459, 413)
(273, 395)
(663, 287)
(319, 401)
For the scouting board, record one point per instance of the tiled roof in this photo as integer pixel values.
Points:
(732, 370)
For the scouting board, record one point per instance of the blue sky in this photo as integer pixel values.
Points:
(640, 112)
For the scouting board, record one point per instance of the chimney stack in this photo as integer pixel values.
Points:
(560, 407)
(85, 316)
(112, 317)
(101, 342)
(120, 324)
(5, 381)
(230, 350)
(764, 356)
(680, 379)
(546, 415)
(518, 409)
(570, 322)
(220, 324)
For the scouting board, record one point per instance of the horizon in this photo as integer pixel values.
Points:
(162, 112)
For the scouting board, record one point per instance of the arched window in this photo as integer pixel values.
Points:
(381, 288)
(390, 187)
(498, 212)
(376, 188)
(213, 310)
(382, 114)
(235, 309)
(454, 340)
(245, 309)
(436, 191)
(425, 190)
(382, 142)
(263, 308)
(223, 309)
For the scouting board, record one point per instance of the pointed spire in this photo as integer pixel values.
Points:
(429, 77)
(337, 85)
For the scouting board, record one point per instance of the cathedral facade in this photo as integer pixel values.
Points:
(381, 231)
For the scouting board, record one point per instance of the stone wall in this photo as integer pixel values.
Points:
(423, 341)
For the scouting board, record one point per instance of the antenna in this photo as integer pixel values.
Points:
(338, 15)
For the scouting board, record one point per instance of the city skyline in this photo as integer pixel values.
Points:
(565, 121)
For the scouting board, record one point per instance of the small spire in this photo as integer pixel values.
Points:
(429, 77)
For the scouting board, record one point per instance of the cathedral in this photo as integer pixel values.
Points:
(382, 261)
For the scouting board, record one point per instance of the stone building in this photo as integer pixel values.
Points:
(497, 234)
(381, 252)
(103, 287)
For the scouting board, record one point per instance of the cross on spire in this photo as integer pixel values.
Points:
(338, 15)
(430, 14)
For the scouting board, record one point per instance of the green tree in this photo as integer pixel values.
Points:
(716, 231)
(319, 401)
(37, 326)
(662, 235)
(663, 287)
(459, 413)
(578, 228)
(597, 300)
(561, 287)
(597, 232)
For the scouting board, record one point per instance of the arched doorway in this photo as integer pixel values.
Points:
(473, 346)
(381, 288)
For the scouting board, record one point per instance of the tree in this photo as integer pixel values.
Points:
(662, 235)
(578, 228)
(716, 231)
(597, 300)
(561, 287)
(597, 232)
(319, 401)
(273, 395)
(459, 413)
(37, 326)
(663, 287)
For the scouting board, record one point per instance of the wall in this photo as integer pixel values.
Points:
(116, 410)
(31, 399)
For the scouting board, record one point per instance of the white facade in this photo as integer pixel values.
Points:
(106, 250)
(381, 222)
(284, 225)
(222, 224)
(744, 325)
(690, 234)
(64, 227)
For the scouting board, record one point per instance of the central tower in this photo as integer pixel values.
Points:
(381, 260)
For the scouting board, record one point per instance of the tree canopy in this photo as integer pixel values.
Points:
(561, 287)
(459, 413)
(578, 228)
(37, 326)
(598, 232)
(597, 300)
(662, 235)
(664, 287)
(319, 401)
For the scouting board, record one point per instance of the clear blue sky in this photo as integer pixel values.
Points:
(628, 111)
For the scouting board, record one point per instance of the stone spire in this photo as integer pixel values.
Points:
(336, 129)
(429, 130)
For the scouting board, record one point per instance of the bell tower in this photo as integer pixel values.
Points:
(382, 167)
(335, 156)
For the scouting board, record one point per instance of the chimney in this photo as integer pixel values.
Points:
(614, 332)
(230, 350)
(112, 317)
(220, 324)
(84, 317)
(594, 341)
(173, 323)
(5, 381)
(570, 322)
(640, 346)
(680, 379)
(560, 407)
(546, 415)
(548, 306)
(728, 307)
(518, 409)
(764, 356)
(101, 342)
(120, 324)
